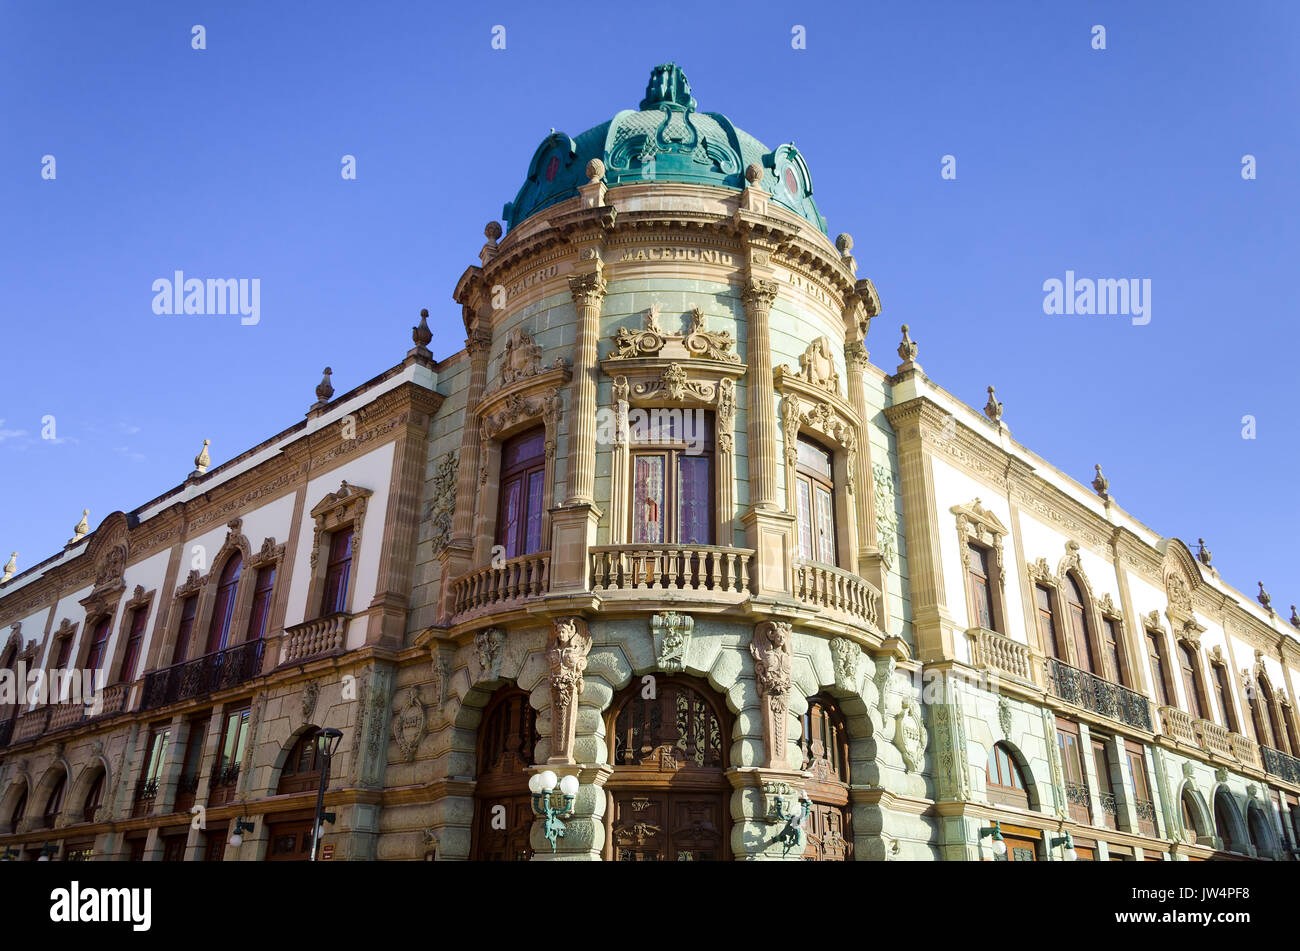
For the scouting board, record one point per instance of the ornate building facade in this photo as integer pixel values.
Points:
(664, 527)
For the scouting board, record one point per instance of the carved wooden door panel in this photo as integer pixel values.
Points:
(828, 834)
(668, 827)
(492, 842)
(290, 842)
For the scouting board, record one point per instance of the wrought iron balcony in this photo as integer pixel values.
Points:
(203, 675)
(1080, 806)
(1098, 695)
(146, 792)
(1109, 810)
(222, 788)
(1280, 764)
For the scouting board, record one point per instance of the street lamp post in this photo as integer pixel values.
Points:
(327, 741)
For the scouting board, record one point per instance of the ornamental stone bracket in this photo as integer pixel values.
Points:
(672, 637)
(845, 656)
(770, 649)
(566, 655)
(488, 648)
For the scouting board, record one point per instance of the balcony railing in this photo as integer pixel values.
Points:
(203, 675)
(32, 724)
(1146, 816)
(315, 638)
(992, 651)
(1281, 764)
(825, 586)
(1078, 803)
(187, 789)
(1109, 810)
(663, 568)
(503, 587)
(1213, 738)
(1208, 736)
(146, 791)
(1178, 724)
(222, 788)
(1100, 696)
(1245, 749)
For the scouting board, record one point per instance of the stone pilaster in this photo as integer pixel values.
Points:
(457, 557)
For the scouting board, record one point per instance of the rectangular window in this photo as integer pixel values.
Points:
(186, 629)
(815, 502)
(648, 498)
(1159, 677)
(1046, 621)
(1225, 697)
(521, 503)
(337, 572)
(1195, 706)
(63, 652)
(694, 495)
(1142, 801)
(234, 735)
(1105, 788)
(1110, 639)
(156, 752)
(98, 644)
(261, 611)
(981, 593)
(672, 488)
(132, 654)
(1076, 783)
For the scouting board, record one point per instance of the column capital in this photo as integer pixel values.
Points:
(478, 343)
(587, 289)
(856, 356)
(759, 292)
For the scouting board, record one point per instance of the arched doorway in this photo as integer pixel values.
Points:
(668, 792)
(503, 811)
(1228, 824)
(1262, 835)
(828, 834)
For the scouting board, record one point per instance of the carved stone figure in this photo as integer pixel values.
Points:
(521, 358)
(672, 636)
(817, 365)
(845, 655)
(488, 646)
(770, 649)
(566, 653)
(993, 408)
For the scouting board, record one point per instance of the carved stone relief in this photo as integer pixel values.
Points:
(672, 637)
(488, 646)
(845, 655)
(770, 649)
(443, 507)
(566, 654)
(409, 724)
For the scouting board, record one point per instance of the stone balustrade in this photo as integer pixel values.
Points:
(706, 569)
(501, 587)
(828, 587)
(1178, 724)
(992, 651)
(322, 635)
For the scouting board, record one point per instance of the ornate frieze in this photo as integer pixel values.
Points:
(672, 637)
(886, 517)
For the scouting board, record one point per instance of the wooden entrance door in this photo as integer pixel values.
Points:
(668, 827)
(290, 842)
(503, 811)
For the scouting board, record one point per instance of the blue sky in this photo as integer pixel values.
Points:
(1122, 163)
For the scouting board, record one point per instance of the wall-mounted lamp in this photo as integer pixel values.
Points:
(999, 847)
(792, 835)
(241, 826)
(48, 851)
(327, 743)
(542, 786)
(1066, 840)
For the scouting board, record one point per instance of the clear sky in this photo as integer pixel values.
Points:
(225, 162)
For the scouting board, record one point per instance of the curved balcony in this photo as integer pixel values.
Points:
(837, 591)
(490, 589)
(711, 572)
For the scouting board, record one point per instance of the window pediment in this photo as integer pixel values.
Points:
(791, 384)
(697, 342)
(649, 382)
(978, 524)
(827, 419)
(525, 403)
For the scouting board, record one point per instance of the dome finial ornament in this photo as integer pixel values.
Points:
(668, 87)
(753, 173)
(595, 172)
(11, 566)
(1100, 483)
(202, 460)
(82, 528)
(1264, 598)
(1295, 618)
(993, 408)
(1203, 554)
(492, 231)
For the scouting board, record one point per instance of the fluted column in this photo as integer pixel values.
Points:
(758, 297)
(588, 293)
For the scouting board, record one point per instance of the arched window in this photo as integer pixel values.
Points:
(503, 813)
(20, 810)
(223, 609)
(1270, 704)
(302, 769)
(1048, 630)
(94, 799)
(521, 502)
(1225, 697)
(1227, 822)
(815, 501)
(669, 790)
(261, 611)
(825, 746)
(1191, 828)
(1159, 668)
(1082, 633)
(1262, 835)
(1006, 784)
(135, 637)
(54, 802)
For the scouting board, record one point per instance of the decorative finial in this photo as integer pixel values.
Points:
(83, 527)
(492, 231)
(1295, 618)
(1203, 555)
(1264, 598)
(844, 243)
(202, 460)
(1100, 483)
(993, 408)
(753, 173)
(11, 566)
(595, 171)
(325, 389)
(420, 334)
(907, 350)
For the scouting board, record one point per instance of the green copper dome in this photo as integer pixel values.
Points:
(667, 140)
